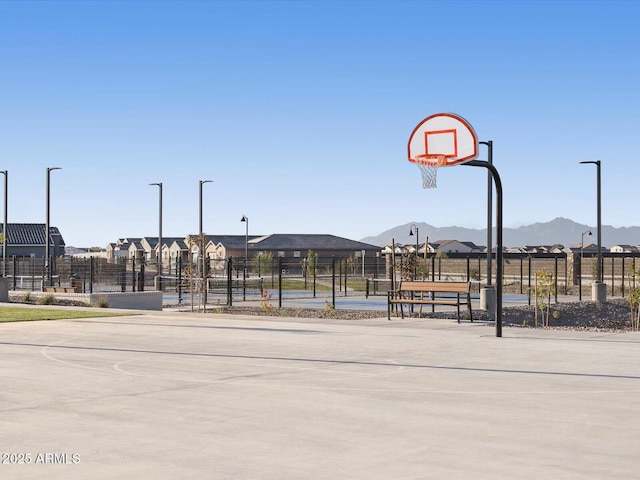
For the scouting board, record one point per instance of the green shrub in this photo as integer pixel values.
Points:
(102, 302)
(46, 300)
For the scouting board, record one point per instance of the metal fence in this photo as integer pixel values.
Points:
(230, 280)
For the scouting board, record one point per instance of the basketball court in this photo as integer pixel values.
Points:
(167, 395)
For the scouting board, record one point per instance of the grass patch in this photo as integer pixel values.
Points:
(26, 314)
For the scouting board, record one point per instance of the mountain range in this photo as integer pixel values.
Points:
(558, 231)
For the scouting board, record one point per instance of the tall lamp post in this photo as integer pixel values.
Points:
(47, 227)
(4, 230)
(159, 254)
(599, 289)
(411, 228)
(202, 182)
(245, 219)
(201, 231)
(588, 232)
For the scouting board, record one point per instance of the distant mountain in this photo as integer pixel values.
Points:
(559, 230)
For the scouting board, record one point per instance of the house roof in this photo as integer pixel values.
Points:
(233, 241)
(181, 244)
(303, 241)
(28, 233)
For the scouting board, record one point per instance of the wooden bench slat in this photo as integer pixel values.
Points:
(406, 291)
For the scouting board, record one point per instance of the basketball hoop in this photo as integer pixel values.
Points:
(428, 165)
(441, 140)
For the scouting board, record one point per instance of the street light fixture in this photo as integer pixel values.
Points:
(588, 232)
(159, 254)
(47, 227)
(245, 219)
(4, 230)
(599, 293)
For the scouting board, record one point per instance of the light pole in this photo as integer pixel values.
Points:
(599, 292)
(159, 254)
(47, 227)
(202, 182)
(415, 270)
(245, 219)
(4, 230)
(588, 232)
(201, 231)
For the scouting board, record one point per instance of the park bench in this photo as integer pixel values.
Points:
(430, 293)
(62, 289)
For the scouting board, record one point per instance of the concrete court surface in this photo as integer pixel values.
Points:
(169, 395)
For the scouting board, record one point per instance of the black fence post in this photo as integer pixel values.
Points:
(521, 275)
(141, 277)
(315, 271)
(333, 282)
(622, 282)
(529, 287)
(556, 279)
(346, 273)
(279, 282)
(229, 282)
(90, 274)
(468, 268)
(613, 278)
(179, 272)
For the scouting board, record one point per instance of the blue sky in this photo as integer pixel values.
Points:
(300, 112)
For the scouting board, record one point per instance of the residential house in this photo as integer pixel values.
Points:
(28, 239)
(624, 249)
(286, 246)
(455, 246)
(121, 248)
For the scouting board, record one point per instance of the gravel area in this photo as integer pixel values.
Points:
(613, 315)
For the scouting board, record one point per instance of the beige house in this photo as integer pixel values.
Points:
(624, 249)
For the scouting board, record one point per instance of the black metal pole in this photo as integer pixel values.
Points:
(498, 185)
(556, 280)
(4, 230)
(280, 282)
(180, 280)
(47, 266)
(333, 282)
(229, 282)
(159, 254)
(489, 145)
(599, 215)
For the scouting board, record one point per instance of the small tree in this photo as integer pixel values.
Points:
(311, 263)
(354, 264)
(196, 282)
(634, 301)
(544, 288)
(408, 266)
(261, 261)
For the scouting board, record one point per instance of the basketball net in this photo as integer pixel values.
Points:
(428, 165)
